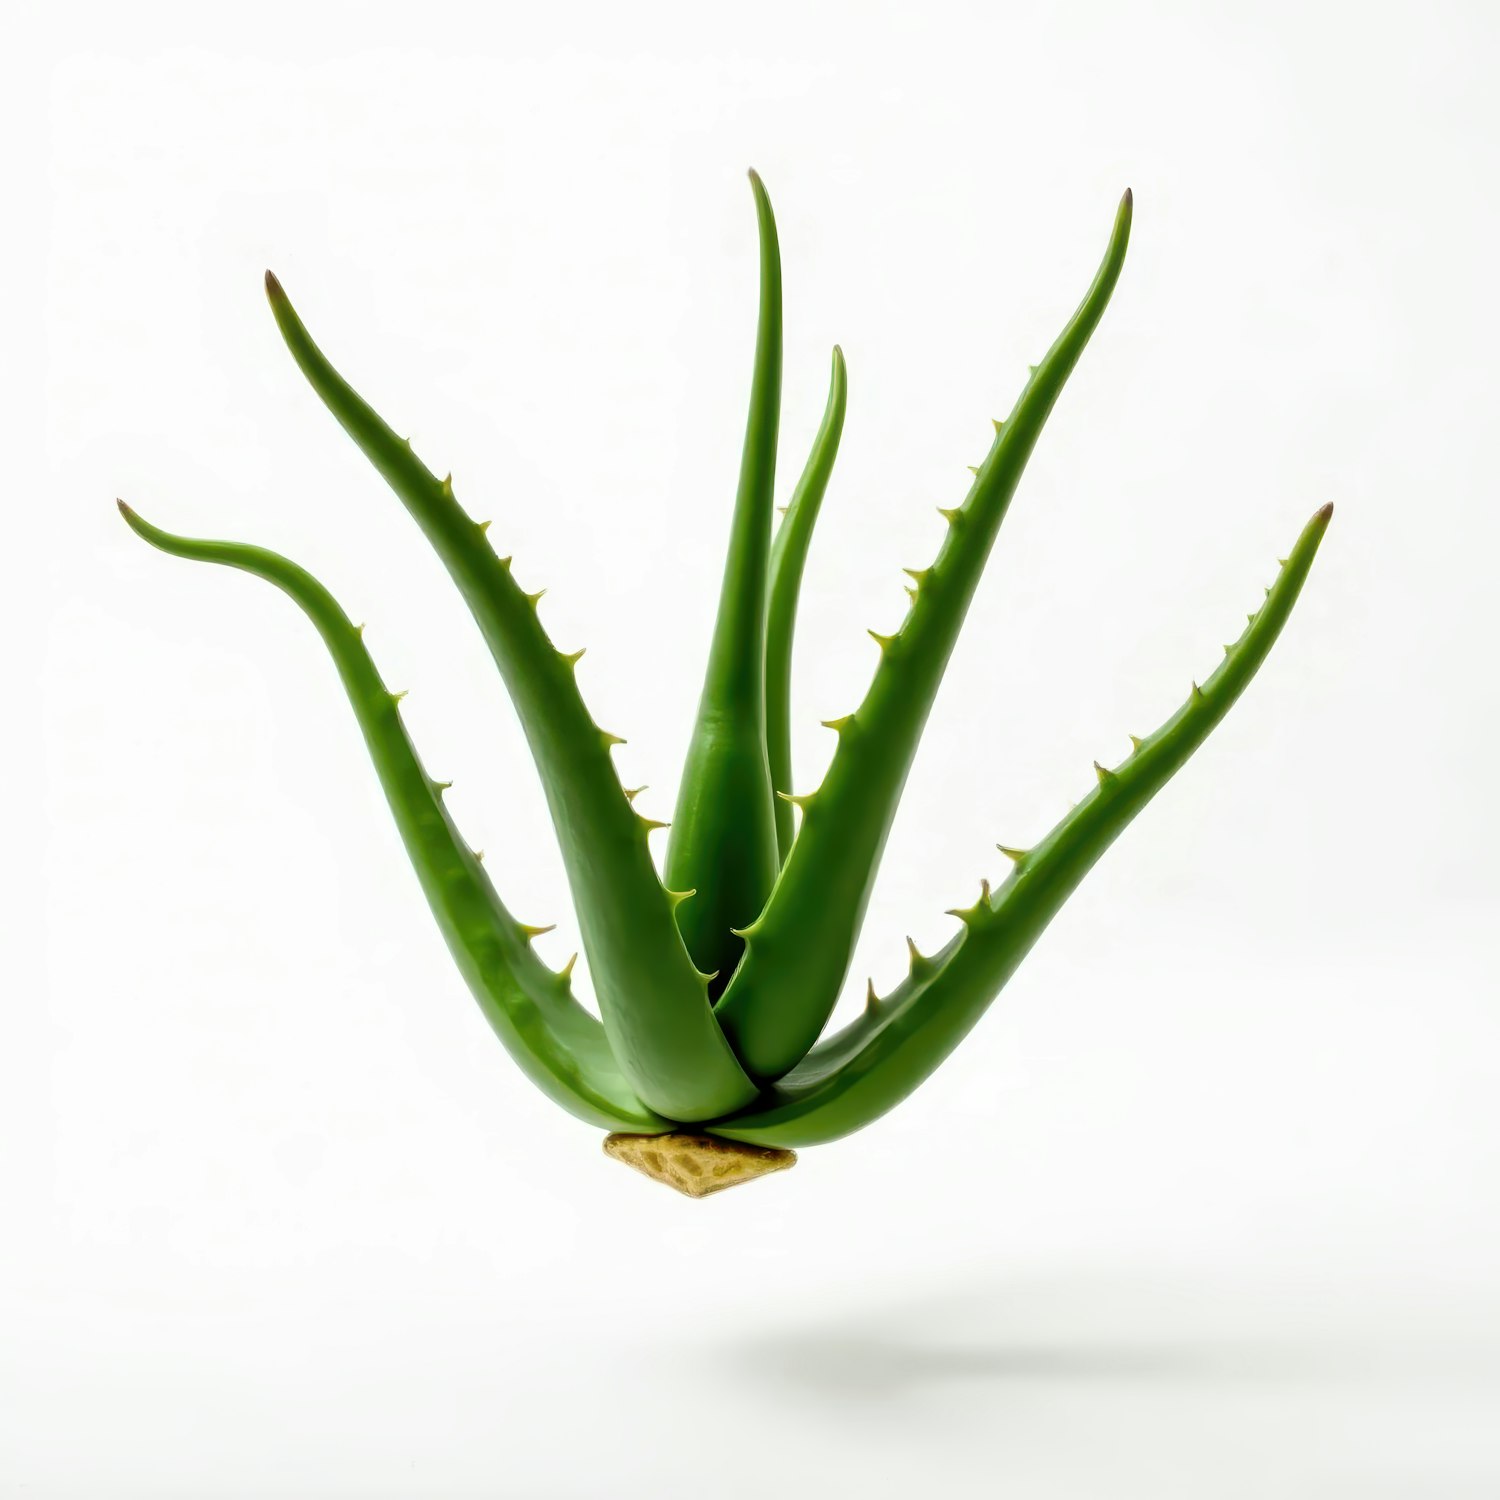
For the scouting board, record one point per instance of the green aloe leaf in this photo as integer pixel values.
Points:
(653, 1001)
(869, 1067)
(788, 557)
(559, 1045)
(722, 843)
(798, 950)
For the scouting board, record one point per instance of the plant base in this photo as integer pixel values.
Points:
(696, 1164)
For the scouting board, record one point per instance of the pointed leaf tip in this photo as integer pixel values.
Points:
(140, 527)
(273, 288)
(763, 208)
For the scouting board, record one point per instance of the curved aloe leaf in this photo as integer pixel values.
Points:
(722, 842)
(653, 1000)
(788, 557)
(560, 1046)
(798, 950)
(871, 1065)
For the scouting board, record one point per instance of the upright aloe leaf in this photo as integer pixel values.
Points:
(798, 950)
(788, 557)
(722, 843)
(559, 1045)
(857, 1075)
(653, 1001)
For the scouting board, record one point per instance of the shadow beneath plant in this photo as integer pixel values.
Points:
(1036, 1331)
(1110, 1381)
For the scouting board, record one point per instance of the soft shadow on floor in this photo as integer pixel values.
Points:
(834, 1361)
(1026, 1329)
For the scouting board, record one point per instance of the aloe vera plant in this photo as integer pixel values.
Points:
(707, 1059)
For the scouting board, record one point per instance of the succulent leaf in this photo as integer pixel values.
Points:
(723, 840)
(788, 558)
(558, 1044)
(784, 990)
(654, 1004)
(859, 1073)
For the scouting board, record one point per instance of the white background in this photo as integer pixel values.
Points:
(1208, 1204)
